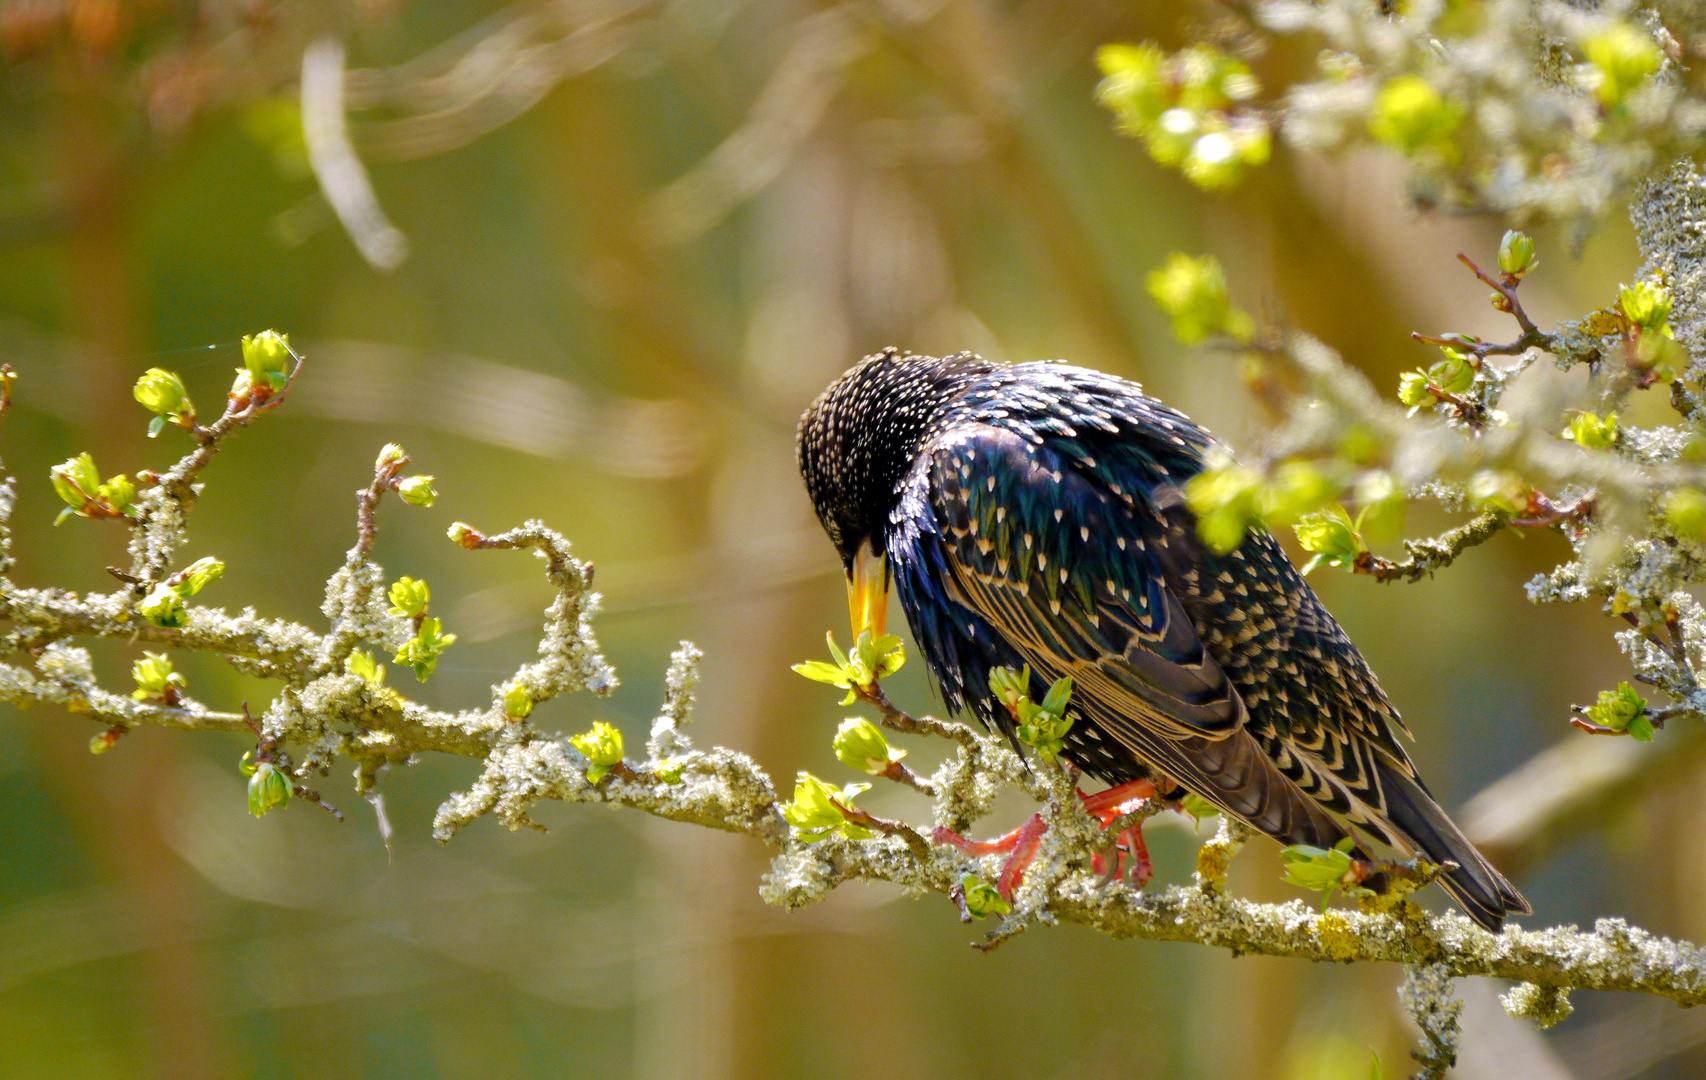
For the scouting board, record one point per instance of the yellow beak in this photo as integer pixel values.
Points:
(868, 592)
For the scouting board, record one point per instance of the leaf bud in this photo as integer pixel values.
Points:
(269, 789)
(860, 745)
(266, 356)
(409, 597)
(602, 748)
(517, 701)
(1516, 253)
(417, 491)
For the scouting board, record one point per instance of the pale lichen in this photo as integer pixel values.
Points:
(1544, 1006)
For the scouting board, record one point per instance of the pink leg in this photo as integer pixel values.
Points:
(1013, 871)
(1115, 802)
(1001, 845)
(1020, 847)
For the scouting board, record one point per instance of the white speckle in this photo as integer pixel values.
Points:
(1083, 532)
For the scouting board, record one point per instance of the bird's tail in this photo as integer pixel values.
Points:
(1480, 890)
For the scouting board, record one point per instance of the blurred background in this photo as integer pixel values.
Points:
(588, 261)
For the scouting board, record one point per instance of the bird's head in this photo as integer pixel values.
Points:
(856, 443)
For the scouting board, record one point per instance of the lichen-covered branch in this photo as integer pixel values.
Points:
(332, 702)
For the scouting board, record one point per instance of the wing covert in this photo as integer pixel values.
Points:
(1063, 568)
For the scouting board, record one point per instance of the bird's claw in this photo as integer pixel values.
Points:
(1127, 857)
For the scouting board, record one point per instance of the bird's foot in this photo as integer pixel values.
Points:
(1116, 802)
(1127, 856)
(1020, 847)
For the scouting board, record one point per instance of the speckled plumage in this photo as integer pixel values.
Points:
(1033, 513)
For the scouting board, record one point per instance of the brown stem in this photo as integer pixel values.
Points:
(919, 846)
(899, 773)
(902, 721)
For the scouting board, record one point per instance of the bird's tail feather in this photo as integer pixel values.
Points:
(1484, 893)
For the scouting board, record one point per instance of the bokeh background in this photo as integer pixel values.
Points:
(613, 250)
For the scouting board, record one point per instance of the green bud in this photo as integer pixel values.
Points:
(876, 658)
(1685, 513)
(1135, 84)
(118, 492)
(1059, 696)
(460, 532)
(1410, 115)
(409, 597)
(243, 386)
(389, 455)
(1224, 500)
(1331, 536)
(1516, 253)
(1193, 294)
(1297, 488)
(153, 674)
(860, 745)
(1623, 709)
(269, 789)
(197, 576)
(417, 491)
(1205, 76)
(266, 356)
(1592, 432)
(1498, 490)
(982, 898)
(163, 606)
(1645, 304)
(1453, 374)
(1323, 870)
(361, 663)
(668, 771)
(76, 480)
(1172, 135)
(815, 816)
(1413, 390)
(517, 701)
(1622, 58)
(161, 392)
(602, 748)
(1214, 162)
(1657, 353)
(106, 740)
(422, 651)
(872, 660)
(1044, 727)
(1010, 687)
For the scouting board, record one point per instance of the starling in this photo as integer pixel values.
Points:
(1034, 514)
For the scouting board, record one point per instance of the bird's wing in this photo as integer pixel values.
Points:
(1059, 566)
